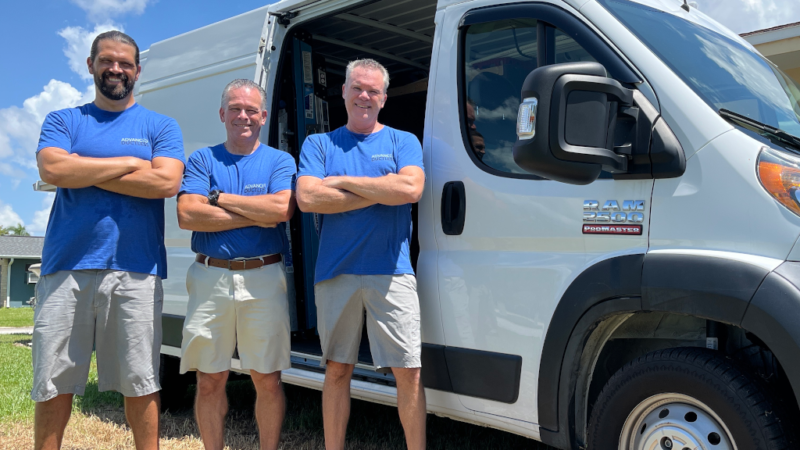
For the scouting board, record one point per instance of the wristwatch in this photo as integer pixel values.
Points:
(213, 196)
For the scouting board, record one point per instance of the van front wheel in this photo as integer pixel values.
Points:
(684, 398)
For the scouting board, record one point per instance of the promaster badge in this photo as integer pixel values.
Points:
(613, 219)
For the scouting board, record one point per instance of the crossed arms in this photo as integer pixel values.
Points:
(341, 194)
(195, 213)
(125, 175)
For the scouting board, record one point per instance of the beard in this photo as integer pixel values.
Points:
(118, 92)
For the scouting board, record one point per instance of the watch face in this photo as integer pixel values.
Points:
(213, 196)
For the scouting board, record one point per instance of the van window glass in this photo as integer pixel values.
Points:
(723, 72)
(498, 57)
(569, 51)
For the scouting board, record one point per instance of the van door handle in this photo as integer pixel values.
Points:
(454, 207)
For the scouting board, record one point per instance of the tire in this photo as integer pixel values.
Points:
(685, 398)
(173, 384)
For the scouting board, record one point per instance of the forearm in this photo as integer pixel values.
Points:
(391, 189)
(270, 208)
(324, 200)
(74, 172)
(148, 183)
(207, 218)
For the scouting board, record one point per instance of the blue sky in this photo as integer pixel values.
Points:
(43, 46)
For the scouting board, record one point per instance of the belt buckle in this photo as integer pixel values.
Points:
(234, 261)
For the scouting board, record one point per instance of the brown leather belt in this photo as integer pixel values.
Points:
(239, 264)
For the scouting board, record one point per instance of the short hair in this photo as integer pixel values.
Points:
(117, 36)
(368, 63)
(244, 83)
(475, 133)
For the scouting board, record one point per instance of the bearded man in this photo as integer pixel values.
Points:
(113, 163)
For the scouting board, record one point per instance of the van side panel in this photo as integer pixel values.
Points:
(720, 205)
(205, 47)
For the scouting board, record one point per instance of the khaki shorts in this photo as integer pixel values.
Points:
(245, 306)
(117, 312)
(392, 308)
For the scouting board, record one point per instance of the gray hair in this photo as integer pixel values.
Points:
(244, 83)
(368, 63)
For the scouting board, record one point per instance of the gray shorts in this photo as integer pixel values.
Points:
(117, 312)
(392, 309)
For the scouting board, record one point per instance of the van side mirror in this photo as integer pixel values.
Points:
(574, 122)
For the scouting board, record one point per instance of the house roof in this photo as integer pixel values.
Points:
(21, 246)
(766, 30)
(774, 34)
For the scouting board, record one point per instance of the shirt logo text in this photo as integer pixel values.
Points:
(255, 188)
(134, 141)
(382, 157)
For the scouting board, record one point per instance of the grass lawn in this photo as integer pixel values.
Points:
(98, 419)
(16, 377)
(16, 380)
(16, 317)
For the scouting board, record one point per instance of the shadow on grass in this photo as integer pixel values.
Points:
(371, 426)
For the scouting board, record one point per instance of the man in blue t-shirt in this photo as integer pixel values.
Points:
(362, 178)
(103, 260)
(235, 198)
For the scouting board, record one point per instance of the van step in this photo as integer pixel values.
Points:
(361, 372)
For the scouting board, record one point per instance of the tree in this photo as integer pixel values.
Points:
(18, 230)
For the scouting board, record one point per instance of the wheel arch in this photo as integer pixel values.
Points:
(608, 293)
(772, 316)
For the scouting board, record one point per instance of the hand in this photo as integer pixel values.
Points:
(138, 164)
(333, 182)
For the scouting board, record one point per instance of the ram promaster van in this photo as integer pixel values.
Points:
(606, 247)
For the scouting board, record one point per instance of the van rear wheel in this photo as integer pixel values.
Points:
(173, 384)
(685, 398)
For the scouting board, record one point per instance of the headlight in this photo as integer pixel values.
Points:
(779, 173)
(526, 118)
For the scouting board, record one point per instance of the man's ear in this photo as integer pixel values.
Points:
(222, 114)
(89, 63)
(263, 117)
(343, 86)
(138, 72)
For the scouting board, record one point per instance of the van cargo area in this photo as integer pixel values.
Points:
(308, 100)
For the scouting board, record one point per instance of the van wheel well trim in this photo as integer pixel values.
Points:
(631, 284)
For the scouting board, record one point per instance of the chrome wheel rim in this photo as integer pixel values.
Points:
(674, 422)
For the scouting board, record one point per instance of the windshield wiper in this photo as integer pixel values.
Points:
(761, 128)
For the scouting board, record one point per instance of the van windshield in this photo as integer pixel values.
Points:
(724, 73)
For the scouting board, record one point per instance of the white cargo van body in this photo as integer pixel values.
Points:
(634, 222)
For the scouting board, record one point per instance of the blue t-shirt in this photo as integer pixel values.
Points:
(91, 228)
(265, 171)
(372, 240)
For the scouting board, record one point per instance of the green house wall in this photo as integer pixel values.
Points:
(21, 291)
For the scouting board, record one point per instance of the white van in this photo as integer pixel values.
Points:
(606, 248)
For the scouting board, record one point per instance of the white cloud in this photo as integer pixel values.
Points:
(100, 10)
(79, 44)
(8, 218)
(40, 218)
(742, 16)
(19, 127)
